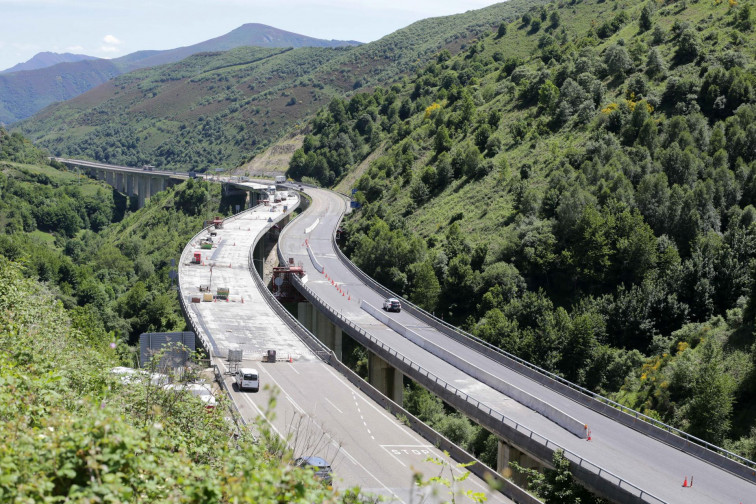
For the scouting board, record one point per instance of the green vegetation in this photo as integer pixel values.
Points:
(109, 266)
(72, 431)
(578, 193)
(216, 110)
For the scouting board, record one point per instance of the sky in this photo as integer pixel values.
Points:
(113, 28)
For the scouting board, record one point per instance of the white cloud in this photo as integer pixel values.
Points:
(111, 40)
(108, 49)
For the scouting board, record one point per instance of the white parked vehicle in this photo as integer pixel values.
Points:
(201, 390)
(280, 179)
(248, 378)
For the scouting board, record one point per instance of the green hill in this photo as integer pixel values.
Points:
(575, 188)
(216, 110)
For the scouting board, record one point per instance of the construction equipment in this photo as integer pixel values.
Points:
(197, 258)
(222, 293)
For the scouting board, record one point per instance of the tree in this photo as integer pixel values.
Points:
(502, 30)
(442, 141)
(688, 46)
(618, 61)
(553, 486)
(645, 22)
(548, 96)
(425, 287)
(655, 65)
(555, 19)
(710, 408)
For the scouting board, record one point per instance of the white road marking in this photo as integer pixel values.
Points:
(391, 419)
(356, 462)
(291, 400)
(394, 456)
(334, 406)
(259, 412)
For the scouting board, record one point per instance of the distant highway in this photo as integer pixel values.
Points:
(650, 465)
(117, 168)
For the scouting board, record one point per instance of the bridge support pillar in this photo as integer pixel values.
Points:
(507, 453)
(305, 313)
(157, 184)
(329, 334)
(321, 326)
(143, 191)
(130, 184)
(387, 379)
(253, 199)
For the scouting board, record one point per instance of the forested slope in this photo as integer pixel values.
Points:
(578, 188)
(216, 110)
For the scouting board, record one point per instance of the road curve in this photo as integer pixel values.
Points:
(650, 465)
(318, 409)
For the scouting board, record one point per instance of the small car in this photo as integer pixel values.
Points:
(321, 468)
(392, 304)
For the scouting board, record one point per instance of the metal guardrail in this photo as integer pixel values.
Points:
(590, 394)
(498, 416)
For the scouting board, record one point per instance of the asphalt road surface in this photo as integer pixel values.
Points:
(645, 462)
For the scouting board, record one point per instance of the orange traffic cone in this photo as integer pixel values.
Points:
(685, 483)
(589, 434)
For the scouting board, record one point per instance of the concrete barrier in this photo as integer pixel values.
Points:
(556, 415)
(314, 260)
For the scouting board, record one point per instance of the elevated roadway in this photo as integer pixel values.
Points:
(319, 410)
(619, 462)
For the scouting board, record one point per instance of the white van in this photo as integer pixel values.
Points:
(280, 179)
(247, 378)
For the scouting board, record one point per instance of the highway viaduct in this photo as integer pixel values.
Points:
(367, 445)
(627, 459)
